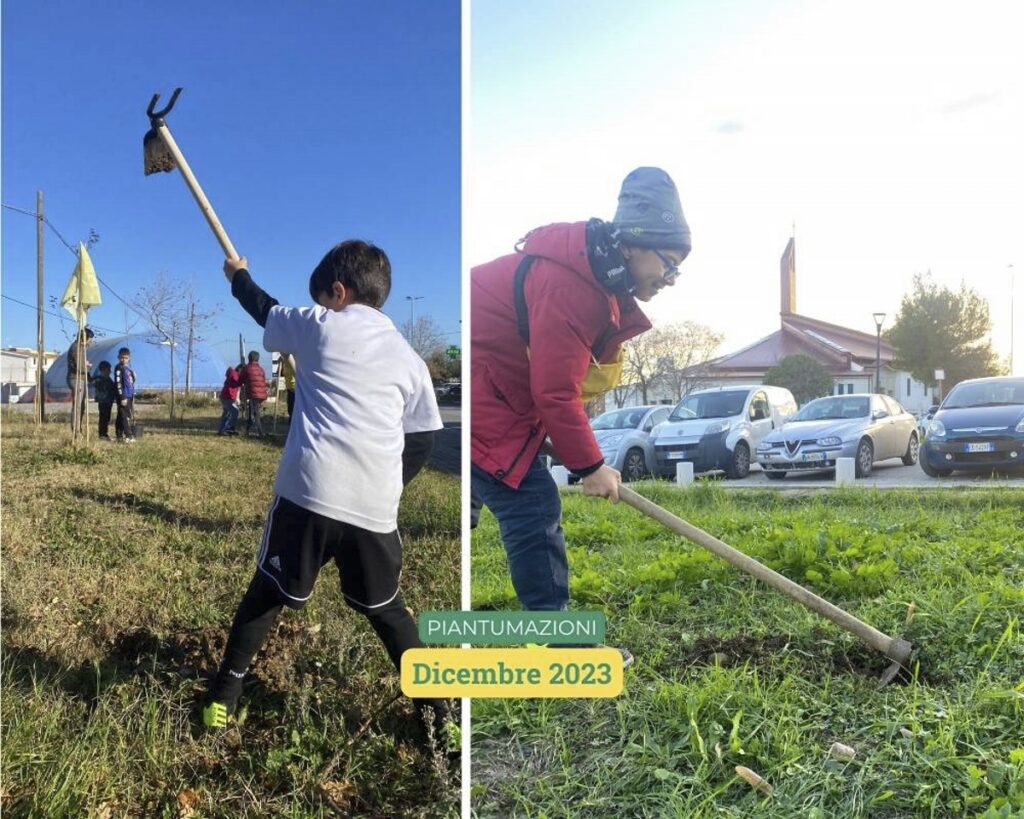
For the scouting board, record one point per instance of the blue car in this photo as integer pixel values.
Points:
(979, 427)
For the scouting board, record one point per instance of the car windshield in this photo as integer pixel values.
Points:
(709, 405)
(986, 394)
(620, 419)
(836, 407)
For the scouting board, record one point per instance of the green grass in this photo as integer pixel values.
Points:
(730, 672)
(122, 568)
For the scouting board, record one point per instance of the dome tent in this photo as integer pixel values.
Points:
(151, 362)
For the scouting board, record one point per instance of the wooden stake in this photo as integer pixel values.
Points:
(40, 402)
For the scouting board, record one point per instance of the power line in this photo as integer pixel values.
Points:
(58, 315)
(74, 253)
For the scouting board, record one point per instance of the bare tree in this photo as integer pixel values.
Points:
(642, 358)
(672, 356)
(424, 335)
(198, 323)
(165, 304)
(687, 350)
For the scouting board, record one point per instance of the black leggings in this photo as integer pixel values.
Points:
(258, 611)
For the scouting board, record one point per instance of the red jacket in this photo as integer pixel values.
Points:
(517, 400)
(232, 381)
(255, 381)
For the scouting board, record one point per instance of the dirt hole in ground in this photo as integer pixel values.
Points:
(281, 665)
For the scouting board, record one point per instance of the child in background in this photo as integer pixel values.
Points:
(105, 395)
(288, 374)
(365, 416)
(255, 381)
(124, 388)
(228, 397)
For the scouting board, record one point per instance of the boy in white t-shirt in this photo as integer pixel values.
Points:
(365, 416)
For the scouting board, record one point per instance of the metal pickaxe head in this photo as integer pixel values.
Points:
(156, 156)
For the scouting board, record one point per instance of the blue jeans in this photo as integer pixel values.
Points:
(229, 416)
(530, 520)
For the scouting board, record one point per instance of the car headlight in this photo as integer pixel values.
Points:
(610, 441)
(718, 426)
(831, 440)
(1020, 425)
(764, 446)
(936, 428)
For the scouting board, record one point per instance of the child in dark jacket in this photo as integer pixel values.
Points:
(105, 394)
(124, 388)
(255, 381)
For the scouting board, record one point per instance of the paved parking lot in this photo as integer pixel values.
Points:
(885, 474)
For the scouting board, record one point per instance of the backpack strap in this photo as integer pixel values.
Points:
(519, 294)
(523, 318)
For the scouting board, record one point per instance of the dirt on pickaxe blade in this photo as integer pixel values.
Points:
(898, 650)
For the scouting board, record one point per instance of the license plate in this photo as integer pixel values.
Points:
(985, 447)
(676, 455)
(814, 456)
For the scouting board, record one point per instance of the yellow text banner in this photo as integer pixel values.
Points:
(512, 672)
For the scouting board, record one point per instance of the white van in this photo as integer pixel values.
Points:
(720, 428)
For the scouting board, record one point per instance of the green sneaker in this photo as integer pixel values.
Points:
(217, 714)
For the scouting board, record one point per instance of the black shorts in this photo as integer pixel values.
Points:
(297, 543)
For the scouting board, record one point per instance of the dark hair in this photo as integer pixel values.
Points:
(253, 355)
(86, 334)
(359, 266)
(103, 365)
(123, 351)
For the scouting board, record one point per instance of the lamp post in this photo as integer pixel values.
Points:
(879, 321)
(1010, 267)
(412, 319)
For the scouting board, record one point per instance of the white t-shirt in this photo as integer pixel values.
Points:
(359, 387)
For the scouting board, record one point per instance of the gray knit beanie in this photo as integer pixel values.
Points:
(649, 213)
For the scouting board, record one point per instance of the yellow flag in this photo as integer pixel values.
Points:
(83, 280)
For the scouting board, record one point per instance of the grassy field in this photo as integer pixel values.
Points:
(730, 673)
(122, 568)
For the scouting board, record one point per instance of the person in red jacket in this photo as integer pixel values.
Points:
(254, 379)
(548, 323)
(228, 397)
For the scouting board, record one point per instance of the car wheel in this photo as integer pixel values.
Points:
(739, 464)
(910, 456)
(865, 458)
(634, 467)
(775, 475)
(931, 471)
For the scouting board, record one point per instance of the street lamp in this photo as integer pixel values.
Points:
(412, 319)
(879, 321)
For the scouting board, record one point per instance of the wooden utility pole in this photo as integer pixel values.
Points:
(188, 354)
(40, 408)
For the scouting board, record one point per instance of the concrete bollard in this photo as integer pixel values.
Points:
(561, 475)
(684, 473)
(846, 471)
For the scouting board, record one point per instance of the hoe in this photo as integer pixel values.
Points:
(895, 648)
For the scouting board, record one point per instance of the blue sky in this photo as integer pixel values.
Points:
(889, 134)
(305, 123)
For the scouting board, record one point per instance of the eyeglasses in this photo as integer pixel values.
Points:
(671, 268)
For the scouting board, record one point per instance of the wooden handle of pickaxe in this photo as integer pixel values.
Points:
(197, 192)
(892, 647)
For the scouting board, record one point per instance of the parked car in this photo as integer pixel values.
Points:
(624, 436)
(867, 427)
(979, 426)
(720, 428)
(924, 418)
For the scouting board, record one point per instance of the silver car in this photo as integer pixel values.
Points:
(624, 436)
(867, 427)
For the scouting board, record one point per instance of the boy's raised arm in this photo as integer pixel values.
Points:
(418, 446)
(250, 295)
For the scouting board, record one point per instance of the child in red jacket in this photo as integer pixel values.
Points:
(548, 325)
(228, 397)
(254, 379)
